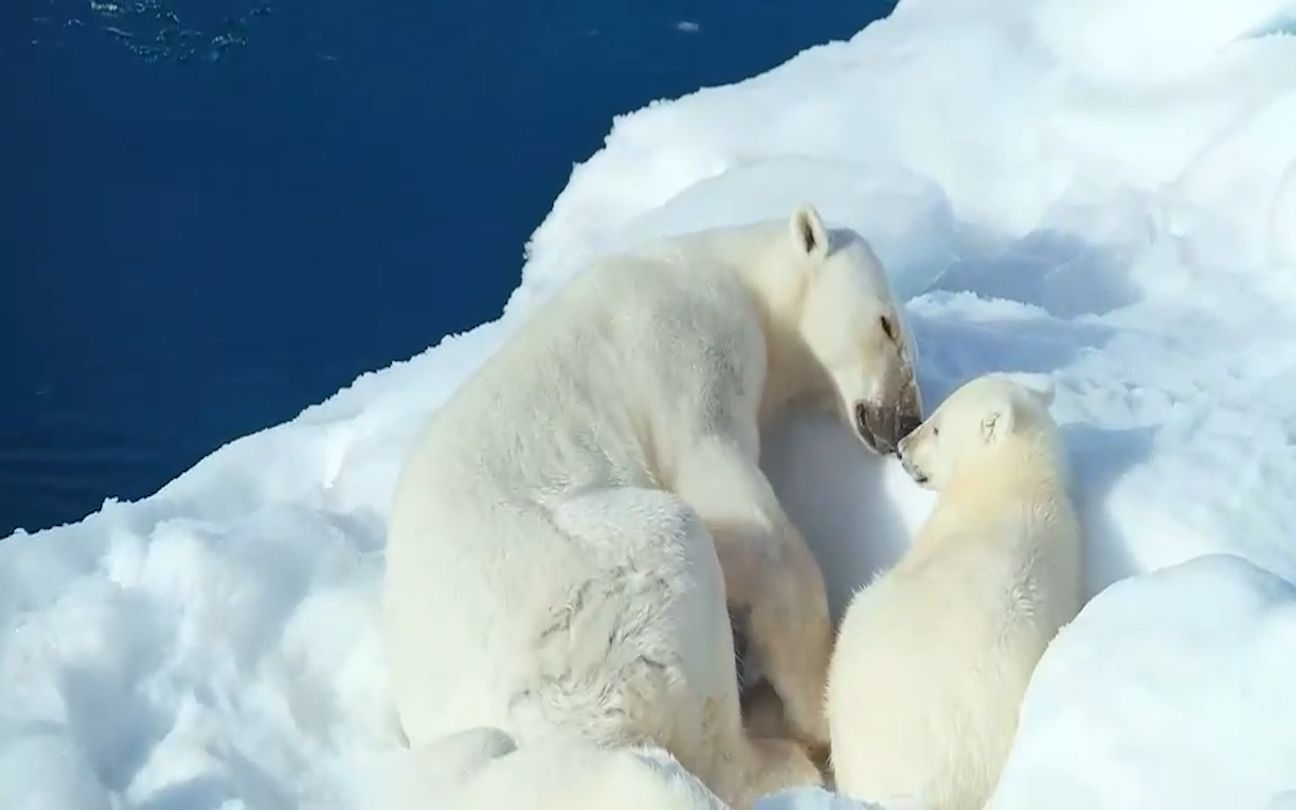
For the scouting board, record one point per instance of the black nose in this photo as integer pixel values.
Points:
(907, 423)
(876, 426)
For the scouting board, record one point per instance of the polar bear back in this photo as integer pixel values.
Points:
(930, 667)
(598, 382)
(590, 399)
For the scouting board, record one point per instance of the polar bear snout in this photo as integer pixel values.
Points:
(882, 427)
(871, 425)
(914, 471)
(908, 423)
(908, 450)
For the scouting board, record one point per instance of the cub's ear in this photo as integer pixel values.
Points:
(996, 425)
(808, 231)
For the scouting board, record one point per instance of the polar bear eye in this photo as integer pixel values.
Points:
(887, 327)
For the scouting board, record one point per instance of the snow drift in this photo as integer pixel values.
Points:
(1171, 689)
(1104, 193)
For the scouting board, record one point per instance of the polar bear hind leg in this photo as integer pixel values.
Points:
(428, 775)
(644, 655)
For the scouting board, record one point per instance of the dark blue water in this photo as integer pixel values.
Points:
(214, 213)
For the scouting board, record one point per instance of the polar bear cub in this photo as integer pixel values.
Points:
(484, 769)
(932, 658)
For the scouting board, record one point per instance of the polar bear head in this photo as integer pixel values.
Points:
(974, 425)
(854, 332)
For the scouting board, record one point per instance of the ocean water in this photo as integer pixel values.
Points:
(213, 214)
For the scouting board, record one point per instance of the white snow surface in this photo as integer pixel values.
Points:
(1171, 689)
(815, 798)
(1102, 193)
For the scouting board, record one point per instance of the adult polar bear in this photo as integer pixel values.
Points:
(565, 534)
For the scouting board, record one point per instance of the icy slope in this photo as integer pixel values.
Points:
(1103, 192)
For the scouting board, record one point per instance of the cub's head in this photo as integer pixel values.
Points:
(975, 421)
(855, 332)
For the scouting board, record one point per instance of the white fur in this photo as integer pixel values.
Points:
(483, 769)
(565, 535)
(932, 658)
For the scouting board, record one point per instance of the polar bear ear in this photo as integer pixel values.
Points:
(996, 424)
(808, 231)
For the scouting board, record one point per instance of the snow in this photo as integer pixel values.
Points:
(1100, 193)
(817, 799)
(1186, 669)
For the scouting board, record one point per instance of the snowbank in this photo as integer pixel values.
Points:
(820, 799)
(1104, 193)
(1171, 689)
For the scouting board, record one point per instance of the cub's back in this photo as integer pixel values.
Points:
(930, 666)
